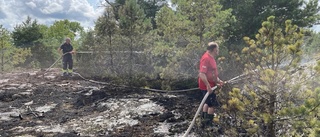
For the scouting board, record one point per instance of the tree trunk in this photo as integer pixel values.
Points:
(2, 57)
(271, 125)
(111, 53)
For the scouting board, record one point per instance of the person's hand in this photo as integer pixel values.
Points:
(221, 83)
(209, 89)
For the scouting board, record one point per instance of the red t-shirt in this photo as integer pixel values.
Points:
(208, 66)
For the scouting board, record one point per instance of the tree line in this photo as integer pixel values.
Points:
(153, 44)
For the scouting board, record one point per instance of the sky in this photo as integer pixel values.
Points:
(15, 12)
(316, 28)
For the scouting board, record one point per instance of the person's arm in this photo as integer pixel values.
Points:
(216, 78)
(203, 77)
(220, 82)
(59, 50)
(72, 50)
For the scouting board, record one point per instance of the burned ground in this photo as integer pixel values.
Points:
(49, 105)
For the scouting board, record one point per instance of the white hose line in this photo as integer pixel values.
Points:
(198, 111)
(55, 62)
(236, 78)
(148, 89)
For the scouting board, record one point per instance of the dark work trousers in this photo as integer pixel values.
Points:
(67, 62)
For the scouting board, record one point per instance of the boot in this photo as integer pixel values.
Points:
(210, 125)
(204, 119)
(209, 120)
(70, 72)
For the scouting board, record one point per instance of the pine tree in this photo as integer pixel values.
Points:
(133, 26)
(183, 31)
(274, 94)
(10, 55)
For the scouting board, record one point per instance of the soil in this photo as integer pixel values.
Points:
(49, 105)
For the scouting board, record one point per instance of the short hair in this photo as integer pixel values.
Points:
(211, 46)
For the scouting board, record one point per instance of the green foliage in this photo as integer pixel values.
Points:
(10, 55)
(317, 68)
(274, 46)
(277, 94)
(182, 34)
(43, 41)
(4, 47)
(61, 29)
(250, 14)
(304, 117)
(54, 36)
(19, 55)
(106, 25)
(312, 47)
(107, 29)
(117, 42)
(29, 36)
(132, 19)
(25, 34)
(149, 7)
(171, 52)
(133, 26)
(87, 41)
(44, 53)
(169, 24)
(204, 19)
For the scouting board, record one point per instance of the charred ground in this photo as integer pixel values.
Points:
(49, 105)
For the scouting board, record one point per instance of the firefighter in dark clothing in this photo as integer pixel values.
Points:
(67, 51)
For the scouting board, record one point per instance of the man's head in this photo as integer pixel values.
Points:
(213, 48)
(68, 40)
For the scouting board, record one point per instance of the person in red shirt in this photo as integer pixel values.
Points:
(208, 78)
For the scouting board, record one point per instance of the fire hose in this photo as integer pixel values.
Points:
(202, 102)
(55, 62)
(199, 108)
(198, 111)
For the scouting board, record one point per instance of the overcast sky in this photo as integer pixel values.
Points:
(13, 12)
